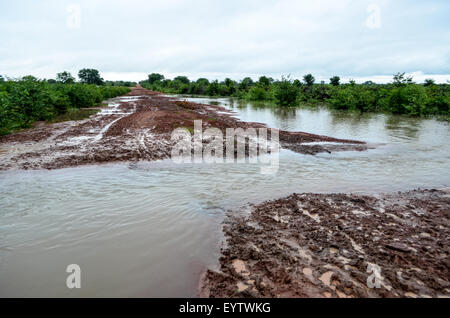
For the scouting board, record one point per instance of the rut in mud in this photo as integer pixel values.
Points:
(329, 245)
(137, 127)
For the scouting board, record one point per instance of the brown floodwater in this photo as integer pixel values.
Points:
(150, 229)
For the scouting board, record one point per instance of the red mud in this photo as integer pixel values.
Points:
(320, 245)
(140, 129)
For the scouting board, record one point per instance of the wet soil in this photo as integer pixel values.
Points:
(337, 245)
(136, 129)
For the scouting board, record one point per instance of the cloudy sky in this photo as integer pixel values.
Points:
(128, 39)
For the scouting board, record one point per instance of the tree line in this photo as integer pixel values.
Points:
(28, 99)
(401, 96)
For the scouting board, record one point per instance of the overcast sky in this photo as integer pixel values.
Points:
(127, 40)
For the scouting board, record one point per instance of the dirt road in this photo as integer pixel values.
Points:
(134, 128)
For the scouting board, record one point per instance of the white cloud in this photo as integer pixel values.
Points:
(226, 38)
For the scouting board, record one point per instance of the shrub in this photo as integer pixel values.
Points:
(29, 99)
(257, 93)
(353, 97)
(408, 99)
(286, 93)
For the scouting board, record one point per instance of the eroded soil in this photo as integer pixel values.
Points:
(136, 128)
(326, 245)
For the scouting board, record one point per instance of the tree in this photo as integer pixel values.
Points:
(335, 80)
(201, 86)
(401, 80)
(90, 76)
(257, 93)
(213, 88)
(230, 86)
(1, 78)
(182, 79)
(203, 81)
(264, 82)
(65, 78)
(286, 93)
(297, 83)
(429, 82)
(229, 82)
(155, 77)
(246, 83)
(309, 79)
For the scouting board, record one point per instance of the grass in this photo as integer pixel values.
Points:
(75, 114)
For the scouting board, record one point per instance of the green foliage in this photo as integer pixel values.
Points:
(258, 93)
(438, 101)
(213, 88)
(182, 79)
(4, 113)
(121, 83)
(406, 99)
(74, 114)
(246, 84)
(402, 96)
(401, 80)
(90, 76)
(429, 82)
(297, 83)
(155, 77)
(65, 78)
(25, 101)
(286, 93)
(309, 79)
(228, 87)
(335, 80)
(264, 82)
(354, 97)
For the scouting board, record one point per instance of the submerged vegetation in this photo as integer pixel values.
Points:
(402, 96)
(26, 100)
(29, 99)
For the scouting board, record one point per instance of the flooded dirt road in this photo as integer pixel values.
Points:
(137, 127)
(150, 228)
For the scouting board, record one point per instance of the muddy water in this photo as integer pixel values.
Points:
(148, 230)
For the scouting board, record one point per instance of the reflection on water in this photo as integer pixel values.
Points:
(150, 229)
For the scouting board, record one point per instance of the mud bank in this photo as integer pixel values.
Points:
(327, 245)
(137, 127)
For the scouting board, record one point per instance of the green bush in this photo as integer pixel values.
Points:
(353, 97)
(257, 93)
(286, 93)
(402, 96)
(406, 99)
(25, 101)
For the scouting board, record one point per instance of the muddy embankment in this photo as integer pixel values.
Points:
(337, 245)
(136, 128)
